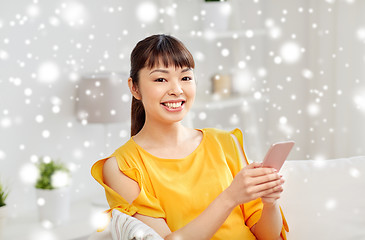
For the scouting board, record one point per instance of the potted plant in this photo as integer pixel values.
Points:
(217, 14)
(52, 190)
(3, 209)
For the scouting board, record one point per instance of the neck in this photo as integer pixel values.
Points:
(162, 133)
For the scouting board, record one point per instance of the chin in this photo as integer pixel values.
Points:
(175, 119)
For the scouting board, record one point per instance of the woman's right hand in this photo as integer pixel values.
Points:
(252, 182)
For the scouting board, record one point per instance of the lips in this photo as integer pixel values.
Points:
(173, 105)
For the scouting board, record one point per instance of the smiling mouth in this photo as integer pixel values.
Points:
(173, 105)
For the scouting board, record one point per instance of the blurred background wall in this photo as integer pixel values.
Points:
(295, 70)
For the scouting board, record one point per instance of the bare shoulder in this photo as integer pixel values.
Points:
(118, 181)
(110, 165)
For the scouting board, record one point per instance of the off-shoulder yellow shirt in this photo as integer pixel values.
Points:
(178, 190)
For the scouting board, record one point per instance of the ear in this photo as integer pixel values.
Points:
(134, 89)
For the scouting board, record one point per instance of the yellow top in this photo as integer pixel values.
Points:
(178, 190)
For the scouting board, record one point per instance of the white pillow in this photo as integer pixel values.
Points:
(125, 227)
(325, 199)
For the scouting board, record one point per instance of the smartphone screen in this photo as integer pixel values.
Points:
(277, 154)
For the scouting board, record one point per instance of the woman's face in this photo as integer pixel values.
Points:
(167, 93)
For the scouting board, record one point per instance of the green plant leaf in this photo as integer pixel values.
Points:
(3, 195)
(46, 170)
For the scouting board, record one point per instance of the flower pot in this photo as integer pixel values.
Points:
(217, 15)
(3, 218)
(53, 206)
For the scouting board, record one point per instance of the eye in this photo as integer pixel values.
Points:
(187, 78)
(160, 80)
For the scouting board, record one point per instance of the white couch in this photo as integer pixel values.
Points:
(322, 200)
(325, 199)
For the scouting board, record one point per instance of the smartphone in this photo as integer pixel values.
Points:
(277, 154)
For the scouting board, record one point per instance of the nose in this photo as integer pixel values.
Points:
(175, 89)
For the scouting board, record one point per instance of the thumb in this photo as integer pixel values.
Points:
(254, 165)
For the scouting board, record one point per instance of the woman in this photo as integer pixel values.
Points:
(185, 183)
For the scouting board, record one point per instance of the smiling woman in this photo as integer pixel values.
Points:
(163, 175)
(149, 55)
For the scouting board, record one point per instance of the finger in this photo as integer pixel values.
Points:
(276, 192)
(261, 179)
(270, 178)
(272, 191)
(260, 171)
(272, 196)
(269, 187)
(263, 190)
(267, 194)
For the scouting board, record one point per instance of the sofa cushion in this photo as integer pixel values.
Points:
(325, 199)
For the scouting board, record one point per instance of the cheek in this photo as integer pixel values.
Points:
(192, 90)
(190, 93)
(150, 95)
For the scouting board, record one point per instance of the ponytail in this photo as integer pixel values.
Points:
(138, 116)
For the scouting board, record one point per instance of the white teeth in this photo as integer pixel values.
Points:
(173, 105)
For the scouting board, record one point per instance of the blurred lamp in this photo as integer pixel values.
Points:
(103, 98)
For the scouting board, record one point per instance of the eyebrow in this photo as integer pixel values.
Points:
(166, 71)
(187, 69)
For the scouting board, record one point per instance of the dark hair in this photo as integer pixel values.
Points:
(150, 52)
